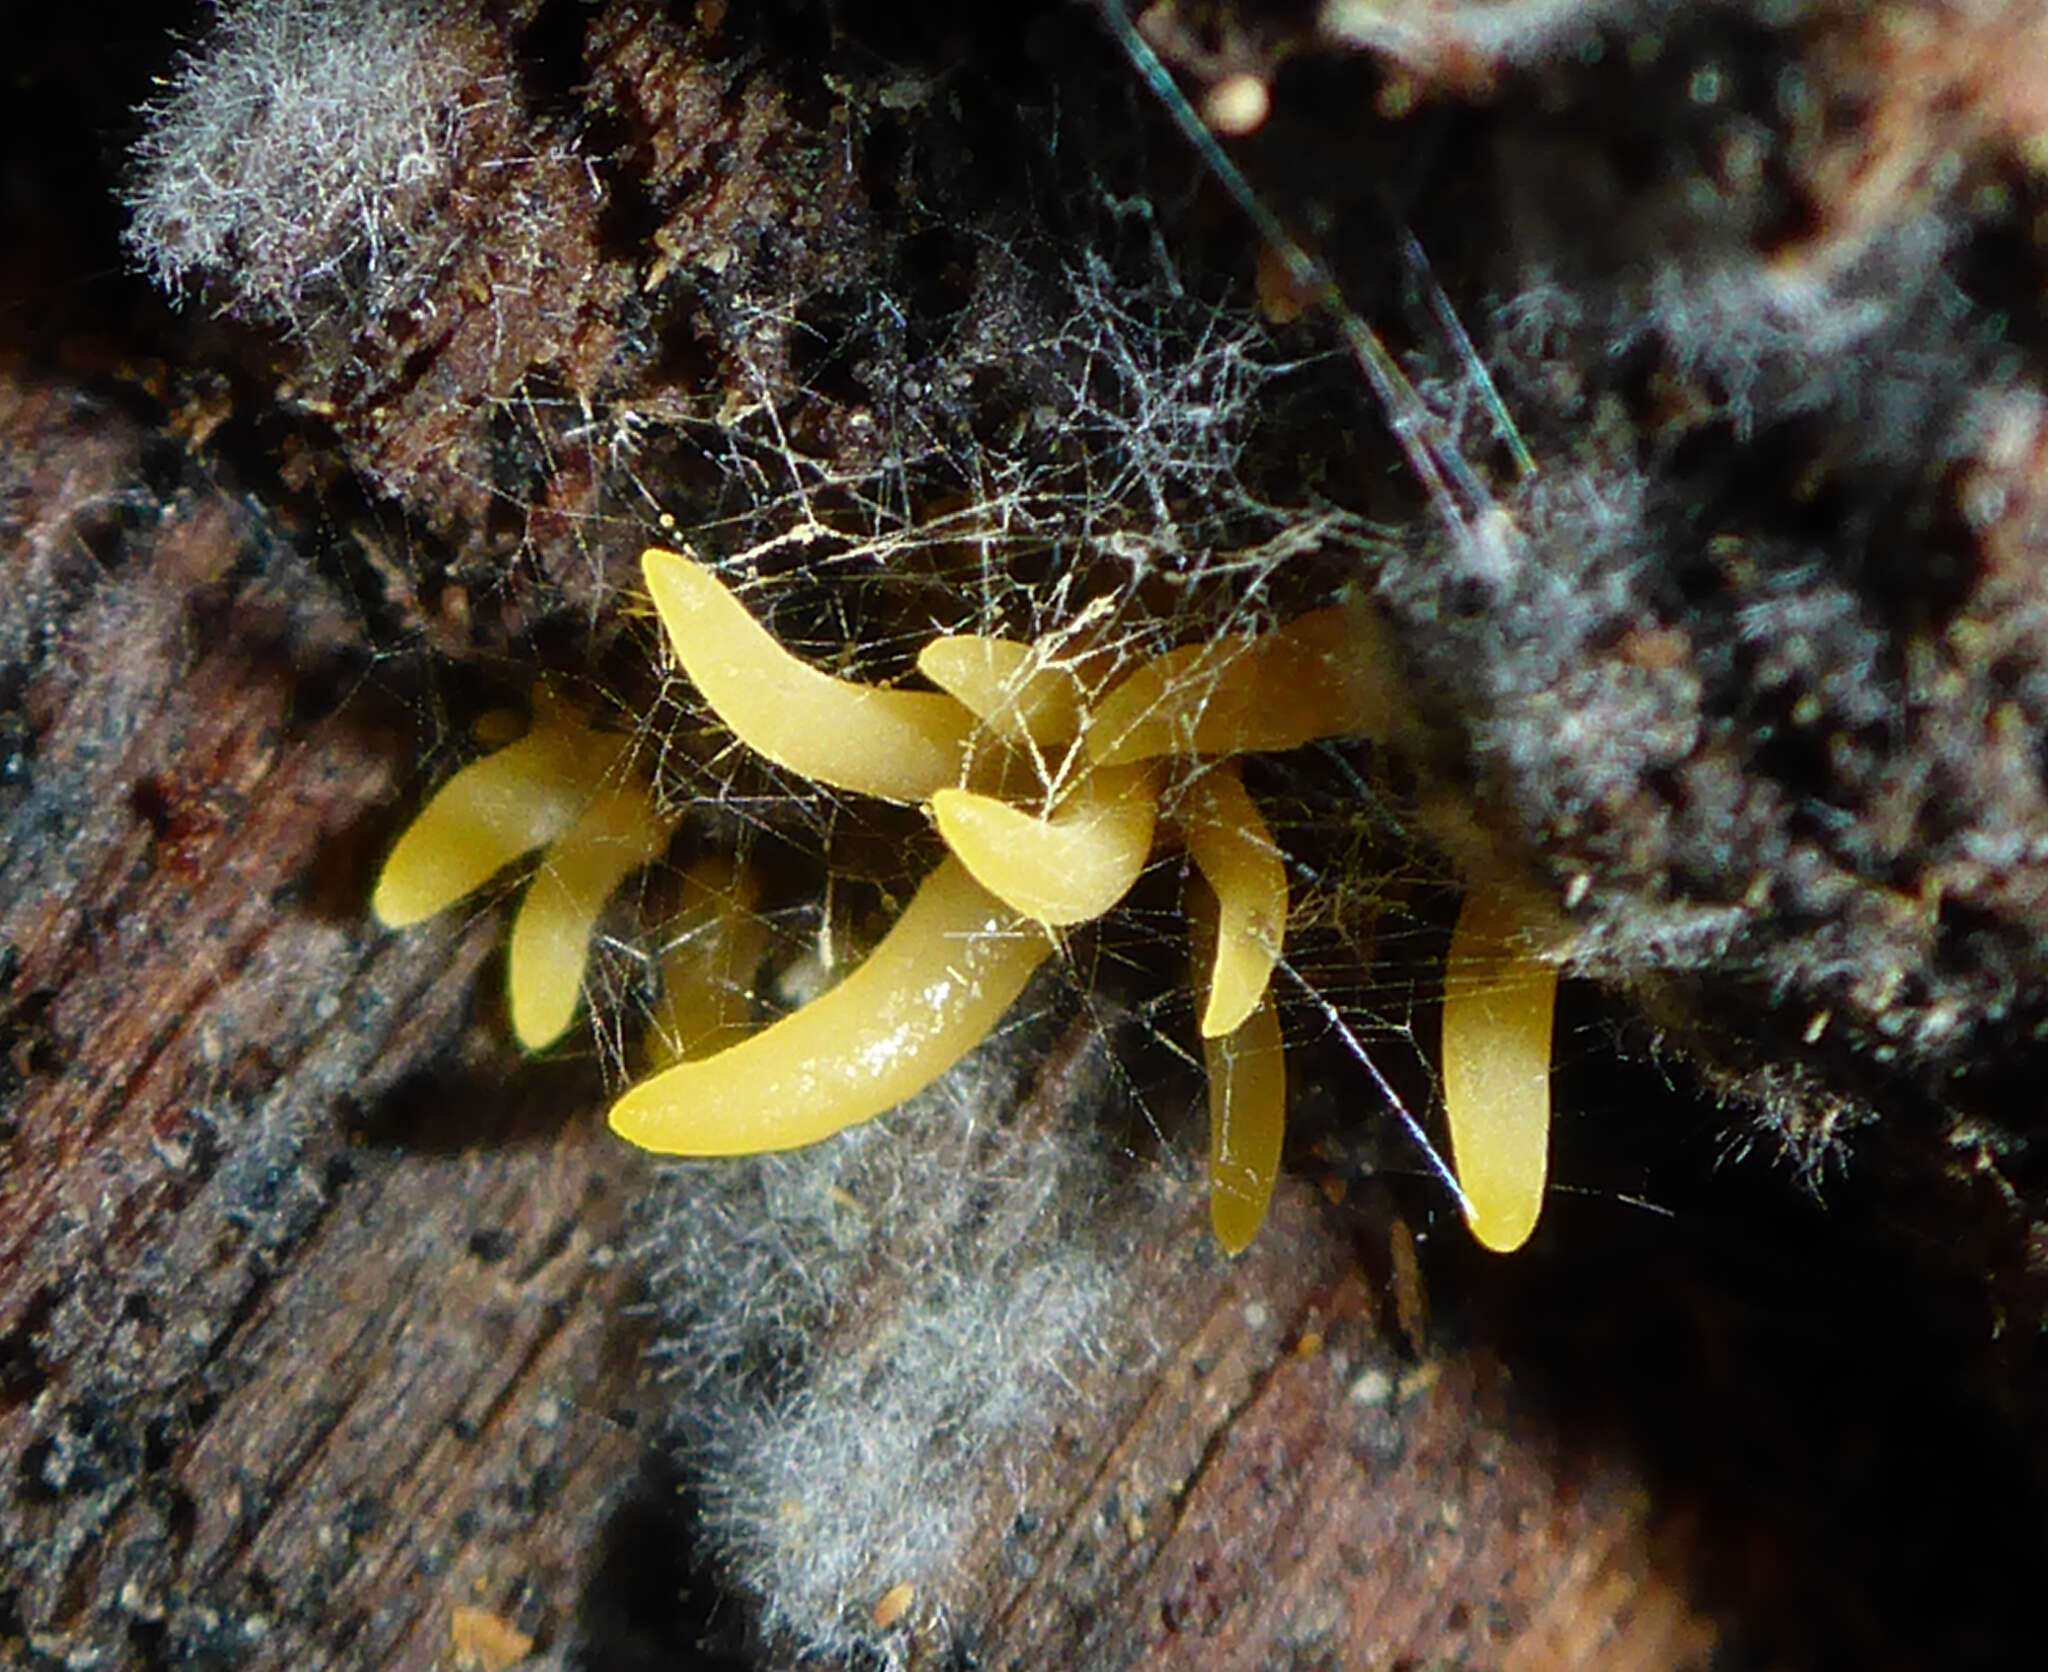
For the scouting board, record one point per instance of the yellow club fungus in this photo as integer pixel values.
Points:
(896, 745)
(1045, 768)
(1247, 1070)
(714, 947)
(1018, 866)
(1070, 866)
(490, 813)
(1499, 1002)
(1318, 676)
(1019, 691)
(617, 833)
(934, 988)
(1247, 1123)
(1234, 851)
(565, 790)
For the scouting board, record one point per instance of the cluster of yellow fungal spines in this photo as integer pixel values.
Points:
(1499, 1007)
(1045, 768)
(562, 789)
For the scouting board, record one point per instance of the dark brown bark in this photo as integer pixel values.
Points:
(319, 1335)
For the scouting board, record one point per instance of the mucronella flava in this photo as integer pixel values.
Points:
(1054, 772)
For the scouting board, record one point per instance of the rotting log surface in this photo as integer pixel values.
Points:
(309, 1336)
(315, 1351)
(314, 1325)
(313, 1317)
(314, 1339)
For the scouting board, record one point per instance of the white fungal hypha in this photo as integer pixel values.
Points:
(976, 1261)
(293, 158)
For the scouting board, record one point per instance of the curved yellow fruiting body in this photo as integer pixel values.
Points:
(1067, 868)
(1499, 1007)
(1228, 840)
(490, 813)
(1016, 690)
(715, 945)
(1343, 659)
(617, 832)
(933, 989)
(1247, 1074)
(1318, 676)
(1157, 707)
(894, 745)
(562, 789)
(1247, 1123)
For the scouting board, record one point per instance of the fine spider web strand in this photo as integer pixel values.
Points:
(1356, 1046)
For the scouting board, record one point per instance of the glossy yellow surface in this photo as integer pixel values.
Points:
(1062, 869)
(1018, 691)
(1049, 804)
(616, 833)
(1232, 848)
(563, 789)
(1499, 1010)
(1316, 677)
(1247, 1123)
(894, 745)
(934, 988)
(490, 813)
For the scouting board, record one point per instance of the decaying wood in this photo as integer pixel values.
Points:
(319, 1334)
(317, 1331)
(312, 1330)
(316, 1337)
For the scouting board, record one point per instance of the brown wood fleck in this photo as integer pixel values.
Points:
(485, 1643)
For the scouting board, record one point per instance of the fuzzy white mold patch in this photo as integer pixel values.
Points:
(296, 156)
(875, 1328)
